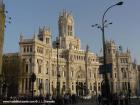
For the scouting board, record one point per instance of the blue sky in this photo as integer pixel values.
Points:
(28, 15)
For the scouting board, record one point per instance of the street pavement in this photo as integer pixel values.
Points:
(93, 102)
(135, 101)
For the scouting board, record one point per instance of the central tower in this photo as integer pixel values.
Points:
(66, 24)
(67, 38)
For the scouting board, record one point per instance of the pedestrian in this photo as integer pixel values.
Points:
(115, 99)
(65, 99)
(99, 99)
(126, 100)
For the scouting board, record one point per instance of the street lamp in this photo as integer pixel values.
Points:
(105, 83)
(129, 88)
(58, 74)
(77, 85)
(1, 86)
(33, 79)
(3, 22)
(4, 89)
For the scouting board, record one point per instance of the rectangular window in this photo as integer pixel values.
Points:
(26, 68)
(90, 87)
(22, 85)
(39, 68)
(94, 75)
(27, 48)
(26, 84)
(24, 49)
(46, 70)
(115, 75)
(30, 84)
(31, 49)
(47, 85)
(126, 60)
(52, 72)
(47, 40)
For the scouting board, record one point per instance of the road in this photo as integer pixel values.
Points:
(90, 102)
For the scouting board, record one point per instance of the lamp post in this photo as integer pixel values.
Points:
(105, 83)
(33, 79)
(4, 89)
(77, 85)
(129, 88)
(3, 21)
(58, 74)
(86, 68)
(1, 86)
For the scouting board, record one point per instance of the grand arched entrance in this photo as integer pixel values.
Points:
(81, 88)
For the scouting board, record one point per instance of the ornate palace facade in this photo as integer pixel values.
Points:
(78, 69)
(40, 57)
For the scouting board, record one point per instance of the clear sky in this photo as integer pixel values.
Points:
(28, 15)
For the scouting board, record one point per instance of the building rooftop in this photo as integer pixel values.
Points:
(11, 54)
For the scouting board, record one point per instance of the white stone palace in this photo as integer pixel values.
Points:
(78, 69)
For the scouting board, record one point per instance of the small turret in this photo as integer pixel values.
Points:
(120, 49)
(128, 50)
(110, 47)
(87, 48)
(21, 37)
(67, 38)
(1, 3)
(45, 35)
(66, 24)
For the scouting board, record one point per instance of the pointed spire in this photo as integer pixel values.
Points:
(49, 29)
(135, 61)
(59, 14)
(87, 48)
(120, 48)
(44, 28)
(39, 29)
(34, 37)
(128, 50)
(21, 37)
(1, 2)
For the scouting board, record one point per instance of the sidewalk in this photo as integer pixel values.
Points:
(93, 102)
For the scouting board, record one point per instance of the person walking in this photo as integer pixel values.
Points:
(99, 99)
